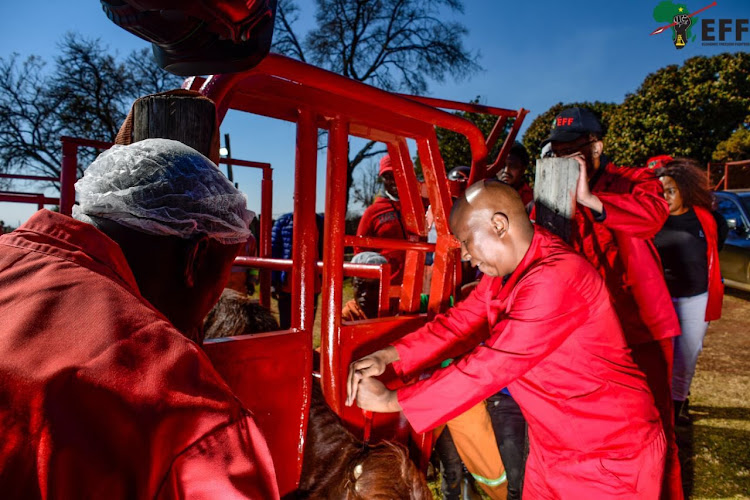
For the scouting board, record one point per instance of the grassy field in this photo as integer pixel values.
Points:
(715, 449)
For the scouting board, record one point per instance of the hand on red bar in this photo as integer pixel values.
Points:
(371, 365)
(372, 395)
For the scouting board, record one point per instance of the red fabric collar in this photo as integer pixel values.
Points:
(62, 236)
(500, 291)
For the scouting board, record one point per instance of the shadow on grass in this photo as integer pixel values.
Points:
(722, 454)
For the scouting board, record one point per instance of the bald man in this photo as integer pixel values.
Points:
(554, 341)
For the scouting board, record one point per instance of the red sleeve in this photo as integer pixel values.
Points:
(232, 462)
(540, 318)
(442, 337)
(641, 212)
(364, 227)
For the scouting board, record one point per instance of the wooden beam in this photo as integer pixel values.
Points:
(190, 120)
(554, 194)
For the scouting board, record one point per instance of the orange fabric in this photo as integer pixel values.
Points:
(475, 441)
(101, 395)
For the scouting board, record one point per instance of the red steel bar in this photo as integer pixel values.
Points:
(333, 233)
(304, 234)
(90, 143)
(68, 176)
(387, 243)
(219, 87)
(39, 199)
(367, 271)
(499, 162)
(266, 223)
(469, 107)
(29, 177)
(244, 163)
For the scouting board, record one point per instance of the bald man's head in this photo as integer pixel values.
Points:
(491, 223)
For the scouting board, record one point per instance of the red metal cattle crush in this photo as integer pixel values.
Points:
(272, 372)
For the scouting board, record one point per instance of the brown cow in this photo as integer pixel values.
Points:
(336, 465)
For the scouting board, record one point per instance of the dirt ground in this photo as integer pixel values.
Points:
(715, 449)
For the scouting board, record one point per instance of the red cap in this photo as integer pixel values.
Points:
(658, 161)
(385, 165)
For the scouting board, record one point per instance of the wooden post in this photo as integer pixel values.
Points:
(555, 194)
(187, 119)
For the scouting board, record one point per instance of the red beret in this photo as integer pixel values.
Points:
(385, 165)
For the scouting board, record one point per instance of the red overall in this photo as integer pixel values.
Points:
(100, 396)
(557, 345)
(621, 249)
(715, 285)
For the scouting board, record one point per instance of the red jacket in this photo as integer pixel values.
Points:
(621, 249)
(715, 285)
(101, 396)
(383, 219)
(527, 194)
(554, 341)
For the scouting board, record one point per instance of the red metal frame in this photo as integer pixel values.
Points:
(315, 99)
(502, 118)
(725, 178)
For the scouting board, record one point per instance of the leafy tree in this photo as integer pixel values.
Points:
(682, 110)
(87, 94)
(542, 124)
(397, 45)
(736, 147)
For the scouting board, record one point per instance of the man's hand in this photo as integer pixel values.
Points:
(583, 193)
(374, 396)
(369, 366)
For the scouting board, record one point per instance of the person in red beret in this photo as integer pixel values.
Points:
(383, 219)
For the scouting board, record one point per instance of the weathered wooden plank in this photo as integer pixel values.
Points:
(555, 194)
(186, 119)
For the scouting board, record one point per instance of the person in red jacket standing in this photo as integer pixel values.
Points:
(689, 245)
(383, 219)
(540, 323)
(106, 392)
(619, 211)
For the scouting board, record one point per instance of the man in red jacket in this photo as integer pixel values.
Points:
(513, 173)
(554, 341)
(619, 211)
(383, 219)
(105, 392)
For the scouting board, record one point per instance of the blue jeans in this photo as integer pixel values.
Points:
(691, 312)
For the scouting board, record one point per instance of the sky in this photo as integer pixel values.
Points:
(535, 53)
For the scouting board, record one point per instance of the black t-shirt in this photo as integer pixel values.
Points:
(682, 247)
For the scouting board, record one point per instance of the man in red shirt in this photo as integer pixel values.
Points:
(554, 341)
(513, 172)
(383, 219)
(105, 392)
(619, 211)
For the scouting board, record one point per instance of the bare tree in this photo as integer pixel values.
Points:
(392, 44)
(87, 94)
(366, 185)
